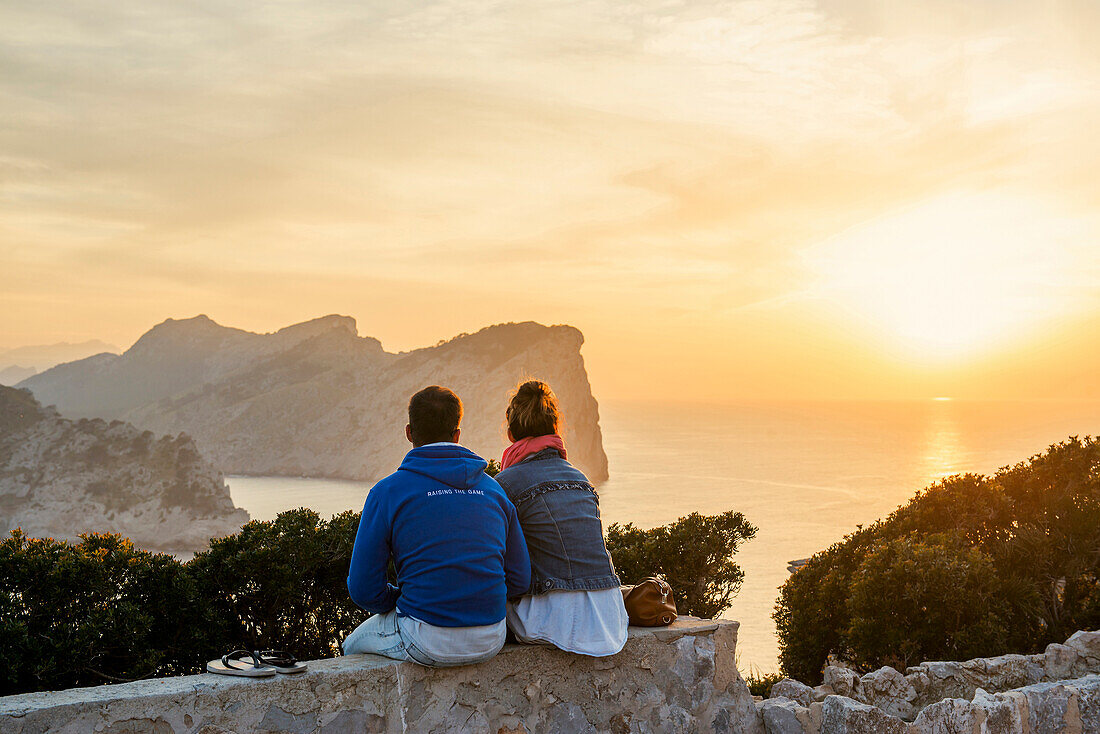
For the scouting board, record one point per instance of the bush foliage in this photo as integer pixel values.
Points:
(694, 554)
(102, 611)
(760, 684)
(971, 566)
(917, 599)
(282, 584)
(99, 611)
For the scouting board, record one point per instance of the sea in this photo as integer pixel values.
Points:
(804, 473)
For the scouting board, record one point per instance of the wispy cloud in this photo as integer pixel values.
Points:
(668, 153)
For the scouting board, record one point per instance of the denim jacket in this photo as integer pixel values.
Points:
(560, 516)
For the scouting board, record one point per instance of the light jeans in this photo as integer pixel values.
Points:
(407, 638)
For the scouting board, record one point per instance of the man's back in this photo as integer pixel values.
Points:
(454, 538)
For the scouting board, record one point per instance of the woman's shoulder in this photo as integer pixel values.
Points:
(508, 477)
(539, 470)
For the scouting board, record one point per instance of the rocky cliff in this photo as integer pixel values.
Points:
(60, 478)
(316, 399)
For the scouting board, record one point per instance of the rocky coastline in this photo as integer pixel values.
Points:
(60, 478)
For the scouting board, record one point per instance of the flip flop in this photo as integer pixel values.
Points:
(226, 666)
(282, 661)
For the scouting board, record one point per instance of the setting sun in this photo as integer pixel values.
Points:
(956, 275)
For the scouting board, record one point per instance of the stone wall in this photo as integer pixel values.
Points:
(1055, 691)
(1063, 707)
(678, 679)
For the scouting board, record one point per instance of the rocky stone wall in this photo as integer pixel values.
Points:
(1062, 707)
(678, 679)
(1055, 691)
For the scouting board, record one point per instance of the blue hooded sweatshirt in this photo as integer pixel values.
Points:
(454, 538)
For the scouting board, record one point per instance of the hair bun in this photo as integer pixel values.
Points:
(533, 411)
(537, 387)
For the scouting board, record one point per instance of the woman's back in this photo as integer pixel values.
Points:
(559, 512)
(574, 601)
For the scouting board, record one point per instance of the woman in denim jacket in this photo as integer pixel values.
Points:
(574, 602)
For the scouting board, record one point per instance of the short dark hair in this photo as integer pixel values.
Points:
(434, 415)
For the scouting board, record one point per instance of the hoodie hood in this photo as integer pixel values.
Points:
(451, 464)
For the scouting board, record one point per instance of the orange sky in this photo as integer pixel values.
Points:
(757, 198)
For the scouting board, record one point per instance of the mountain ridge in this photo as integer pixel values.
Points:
(19, 363)
(317, 399)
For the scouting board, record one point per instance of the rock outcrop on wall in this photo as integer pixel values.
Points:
(316, 399)
(60, 478)
(679, 679)
(1056, 691)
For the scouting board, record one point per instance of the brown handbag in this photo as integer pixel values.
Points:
(650, 603)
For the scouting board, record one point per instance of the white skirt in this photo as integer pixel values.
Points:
(583, 622)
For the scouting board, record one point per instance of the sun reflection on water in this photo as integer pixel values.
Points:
(943, 449)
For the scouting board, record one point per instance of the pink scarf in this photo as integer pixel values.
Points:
(524, 447)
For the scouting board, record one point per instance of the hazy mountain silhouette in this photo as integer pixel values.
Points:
(316, 399)
(22, 362)
(60, 478)
(14, 373)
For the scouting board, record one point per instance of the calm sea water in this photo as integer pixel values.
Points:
(804, 473)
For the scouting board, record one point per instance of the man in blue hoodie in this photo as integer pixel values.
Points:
(455, 540)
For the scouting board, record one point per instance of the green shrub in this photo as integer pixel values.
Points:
(1029, 536)
(811, 615)
(98, 611)
(916, 599)
(760, 684)
(282, 584)
(1053, 549)
(694, 554)
(101, 611)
